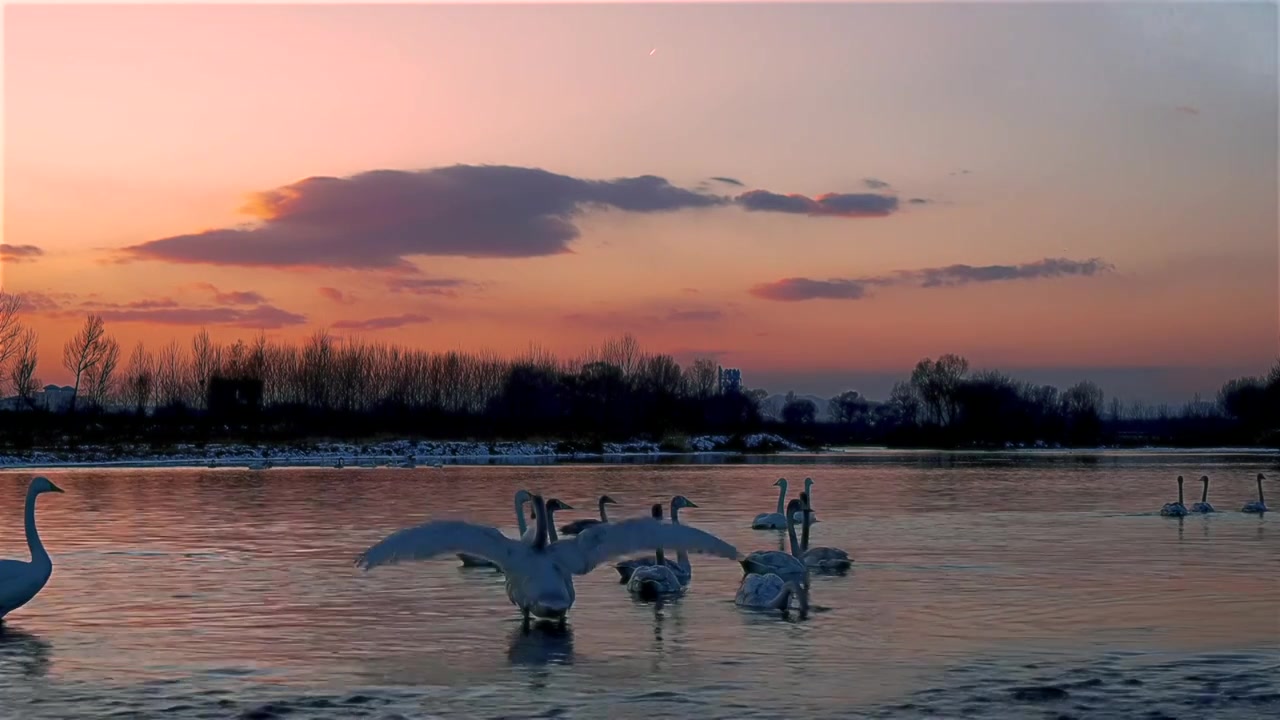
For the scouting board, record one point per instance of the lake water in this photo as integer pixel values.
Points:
(1032, 585)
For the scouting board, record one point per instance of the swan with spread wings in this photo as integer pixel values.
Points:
(539, 574)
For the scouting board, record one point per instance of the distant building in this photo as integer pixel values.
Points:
(730, 380)
(52, 398)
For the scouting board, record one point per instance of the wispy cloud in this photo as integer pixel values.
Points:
(382, 218)
(875, 184)
(694, 316)
(38, 302)
(847, 205)
(19, 253)
(446, 287)
(727, 180)
(156, 304)
(232, 297)
(801, 288)
(263, 317)
(336, 295)
(383, 323)
(1187, 109)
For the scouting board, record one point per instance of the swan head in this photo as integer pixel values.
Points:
(1179, 479)
(808, 483)
(606, 500)
(780, 482)
(681, 501)
(43, 485)
(555, 504)
(1261, 477)
(656, 511)
(1204, 479)
(794, 507)
(804, 502)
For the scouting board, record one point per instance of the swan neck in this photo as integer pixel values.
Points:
(804, 533)
(791, 535)
(682, 557)
(540, 511)
(1259, 492)
(38, 553)
(1179, 493)
(604, 514)
(520, 501)
(1204, 494)
(551, 526)
(782, 496)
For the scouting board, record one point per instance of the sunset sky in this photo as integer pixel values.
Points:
(820, 194)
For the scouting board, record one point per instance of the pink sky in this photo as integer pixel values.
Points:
(1117, 161)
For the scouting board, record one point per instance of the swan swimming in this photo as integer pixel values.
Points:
(681, 567)
(787, 566)
(539, 574)
(1203, 506)
(521, 497)
(1175, 509)
(577, 526)
(21, 581)
(770, 592)
(650, 582)
(822, 559)
(1256, 506)
(773, 520)
(808, 490)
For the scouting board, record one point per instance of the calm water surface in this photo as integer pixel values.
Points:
(985, 586)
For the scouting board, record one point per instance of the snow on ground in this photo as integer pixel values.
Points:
(402, 453)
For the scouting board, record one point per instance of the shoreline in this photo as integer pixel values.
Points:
(391, 453)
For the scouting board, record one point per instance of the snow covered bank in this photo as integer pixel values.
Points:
(403, 453)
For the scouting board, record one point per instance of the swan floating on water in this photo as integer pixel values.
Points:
(1203, 506)
(681, 567)
(21, 581)
(822, 559)
(471, 561)
(539, 574)
(808, 490)
(577, 526)
(1256, 506)
(787, 566)
(649, 582)
(773, 520)
(770, 592)
(1175, 509)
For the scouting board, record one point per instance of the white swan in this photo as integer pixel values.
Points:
(521, 497)
(770, 592)
(1259, 506)
(773, 520)
(1203, 506)
(539, 575)
(681, 567)
(1175, 509)
(577, 526)
(808, 490)
(822, 559)
(652, 581)
(21, 581)
(787, 566)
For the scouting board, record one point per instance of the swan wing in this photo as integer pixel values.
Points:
(606, 541)
(442, 537)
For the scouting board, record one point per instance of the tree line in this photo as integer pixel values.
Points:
(346, 387)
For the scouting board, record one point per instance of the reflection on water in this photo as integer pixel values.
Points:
(1041, 584)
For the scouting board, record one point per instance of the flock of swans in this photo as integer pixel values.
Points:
(540, 563)
(1178, 509)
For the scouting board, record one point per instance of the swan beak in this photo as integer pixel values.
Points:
(777, 482)
(54, 488)
(690, 503)
(610, 501)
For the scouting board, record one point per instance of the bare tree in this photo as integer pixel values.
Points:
(702, 378)
(140, 379)
(205, 361)
(171, 376)
(99, 377)
(11, 330)
(84, 351)
(23, 371)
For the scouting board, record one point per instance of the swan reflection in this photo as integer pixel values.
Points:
(541, 644)
(23, 652)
